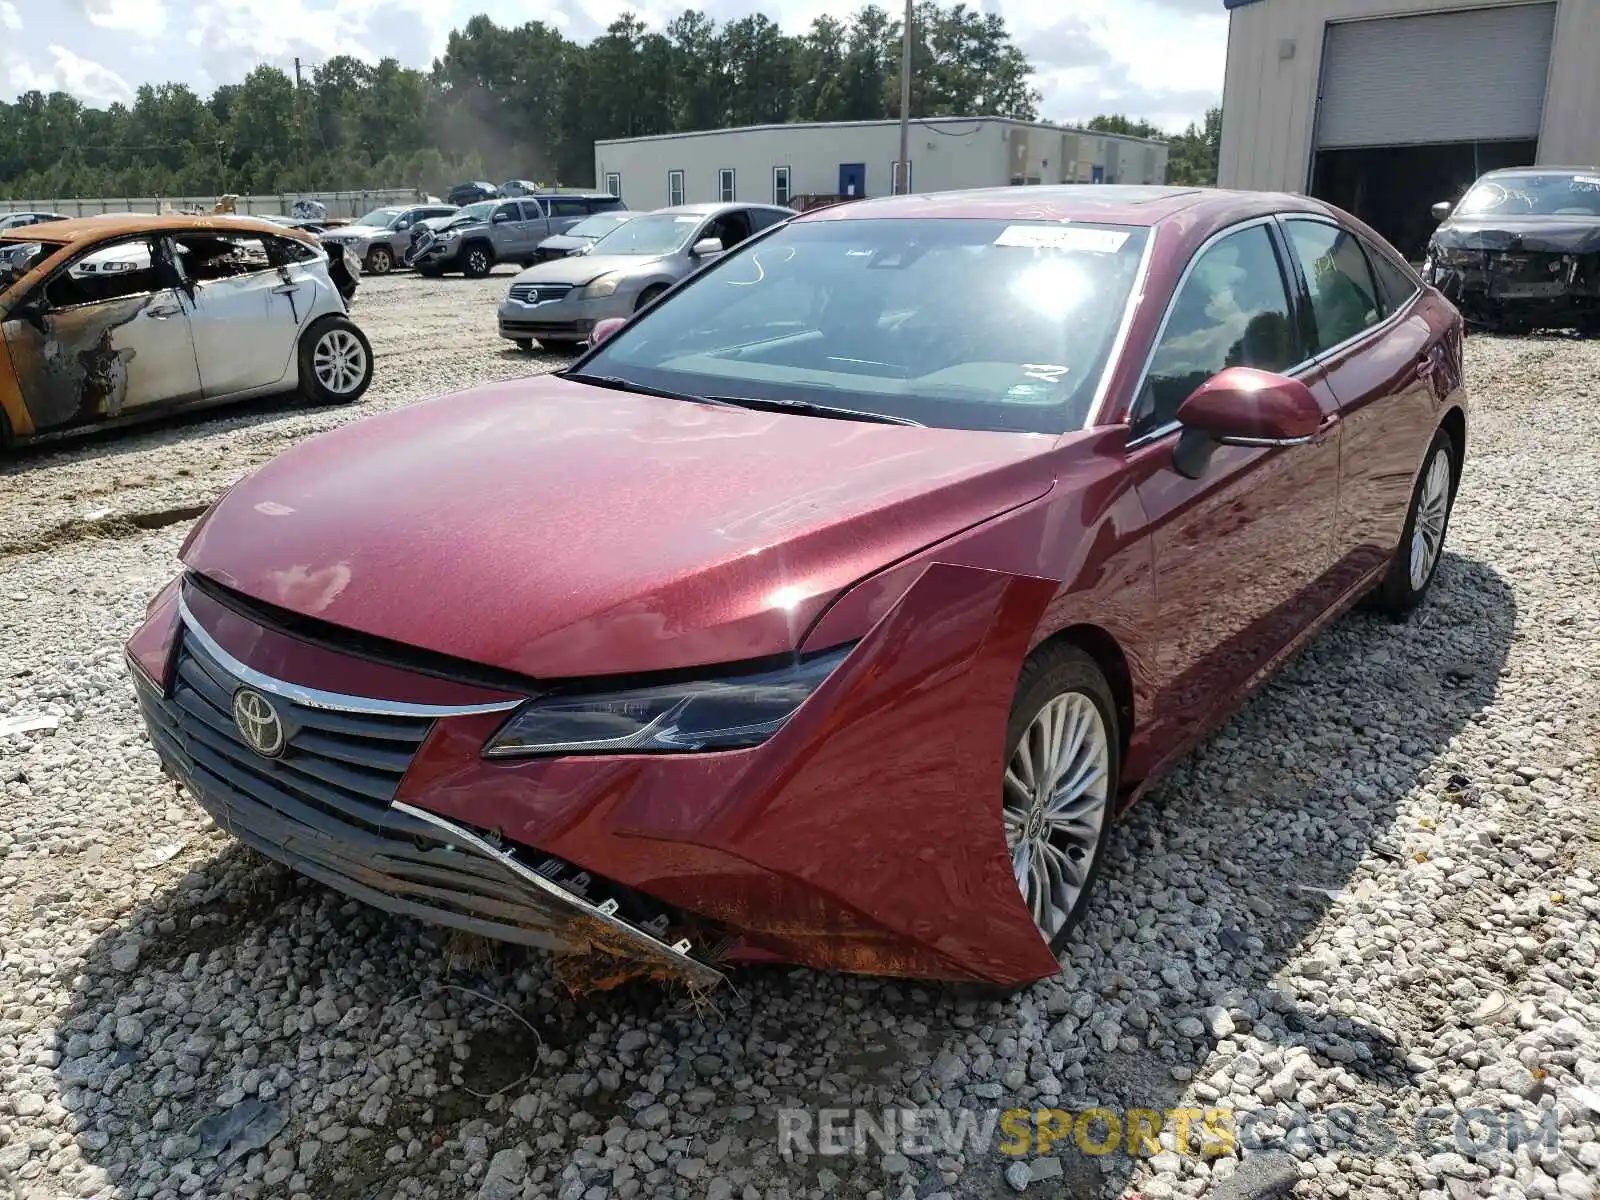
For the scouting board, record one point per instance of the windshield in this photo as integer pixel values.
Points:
(480, 211)
(18, 258)
(380, 217)
(658, 233)
(965, 324)
(598, 226)
(1543, 194)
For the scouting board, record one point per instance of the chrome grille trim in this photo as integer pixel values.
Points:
(317, 698)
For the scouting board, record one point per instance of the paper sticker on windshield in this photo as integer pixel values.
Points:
(1057, 237)
(1587, 180)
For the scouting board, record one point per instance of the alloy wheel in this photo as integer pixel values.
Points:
(380, 262)
(340, 361)
(1057, 788)
(478, 262)
(1427, 526)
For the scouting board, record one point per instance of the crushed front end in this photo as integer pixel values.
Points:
(1518, 282)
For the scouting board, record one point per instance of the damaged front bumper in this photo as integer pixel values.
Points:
(1512, 290)
(327, 809)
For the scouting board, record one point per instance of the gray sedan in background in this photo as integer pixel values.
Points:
(559, 303)
(580, 239)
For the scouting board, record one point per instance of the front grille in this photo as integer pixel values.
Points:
(327, 808)
(539, 293)
(340, 763)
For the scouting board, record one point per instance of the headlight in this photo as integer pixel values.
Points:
(710, 714)
(1445, 256)
(606, 285)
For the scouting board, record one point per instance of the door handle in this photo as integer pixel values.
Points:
(162, 313)
(284, 289)
(1425, 366)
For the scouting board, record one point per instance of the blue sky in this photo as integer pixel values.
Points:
(1159, 59)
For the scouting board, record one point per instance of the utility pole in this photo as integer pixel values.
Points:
(300, 121)
(902, 184)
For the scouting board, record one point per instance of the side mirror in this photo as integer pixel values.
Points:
(1242, 406)
(707, 247)
(1442, 210)
(500, 218)
(604, 329)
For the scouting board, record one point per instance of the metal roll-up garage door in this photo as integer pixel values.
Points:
(1476, 75)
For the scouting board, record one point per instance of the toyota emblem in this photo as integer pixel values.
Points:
(258, 723)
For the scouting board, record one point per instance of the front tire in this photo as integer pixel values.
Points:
(648, 297)
(380, 261)
(1060, 784)
(1416, 559)
(525, 345)
(335, 361)
(476, 261)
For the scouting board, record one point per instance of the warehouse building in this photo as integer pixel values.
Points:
(777, 164)
(1385, 106)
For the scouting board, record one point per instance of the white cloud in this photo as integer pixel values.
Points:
(89, 81)
(141, 18)
(10, 18)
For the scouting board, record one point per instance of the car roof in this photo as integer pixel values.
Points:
(709, 207)
(1540, 171)
(110, 225)
(1112, 204)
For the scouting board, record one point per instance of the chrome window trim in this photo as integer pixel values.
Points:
(1166, 318)
(316, 697)
(1292, 372)
(1124, 328)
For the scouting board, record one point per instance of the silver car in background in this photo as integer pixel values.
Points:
(580, 239)
(381, 238)
(559, 303)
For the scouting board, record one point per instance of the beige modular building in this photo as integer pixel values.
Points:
(1385, 106)
(769, 164)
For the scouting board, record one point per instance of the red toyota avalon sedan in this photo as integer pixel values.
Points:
(829, 609)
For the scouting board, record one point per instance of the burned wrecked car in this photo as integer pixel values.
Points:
(110, 319)
(1522, 250)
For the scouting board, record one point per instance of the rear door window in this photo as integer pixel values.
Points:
(568, 206)
(1396, 287)
(116, 272)
(531, 211)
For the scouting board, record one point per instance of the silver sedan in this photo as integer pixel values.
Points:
(559, 303)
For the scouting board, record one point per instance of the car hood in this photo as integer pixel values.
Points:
(1548, 235)
(590, 266)
(351, 233)
(559, 530)
(438, 224)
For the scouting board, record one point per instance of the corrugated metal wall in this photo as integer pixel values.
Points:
(1275, 52)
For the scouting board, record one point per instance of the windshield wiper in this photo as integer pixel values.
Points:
(618, 384)
(812, 409)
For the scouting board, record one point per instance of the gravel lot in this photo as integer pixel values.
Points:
(1375, 889)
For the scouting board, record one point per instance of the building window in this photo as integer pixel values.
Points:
(674, 188)
(900, 187)
(725, 185)
(780, 185)
(614, 183)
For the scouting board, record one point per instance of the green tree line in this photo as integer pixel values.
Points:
(522, 102)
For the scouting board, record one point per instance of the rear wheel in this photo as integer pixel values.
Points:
(476, 261)
(1416, 559)
(335, 361)
(525, 345)
(380, 260)
(1059, 786)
